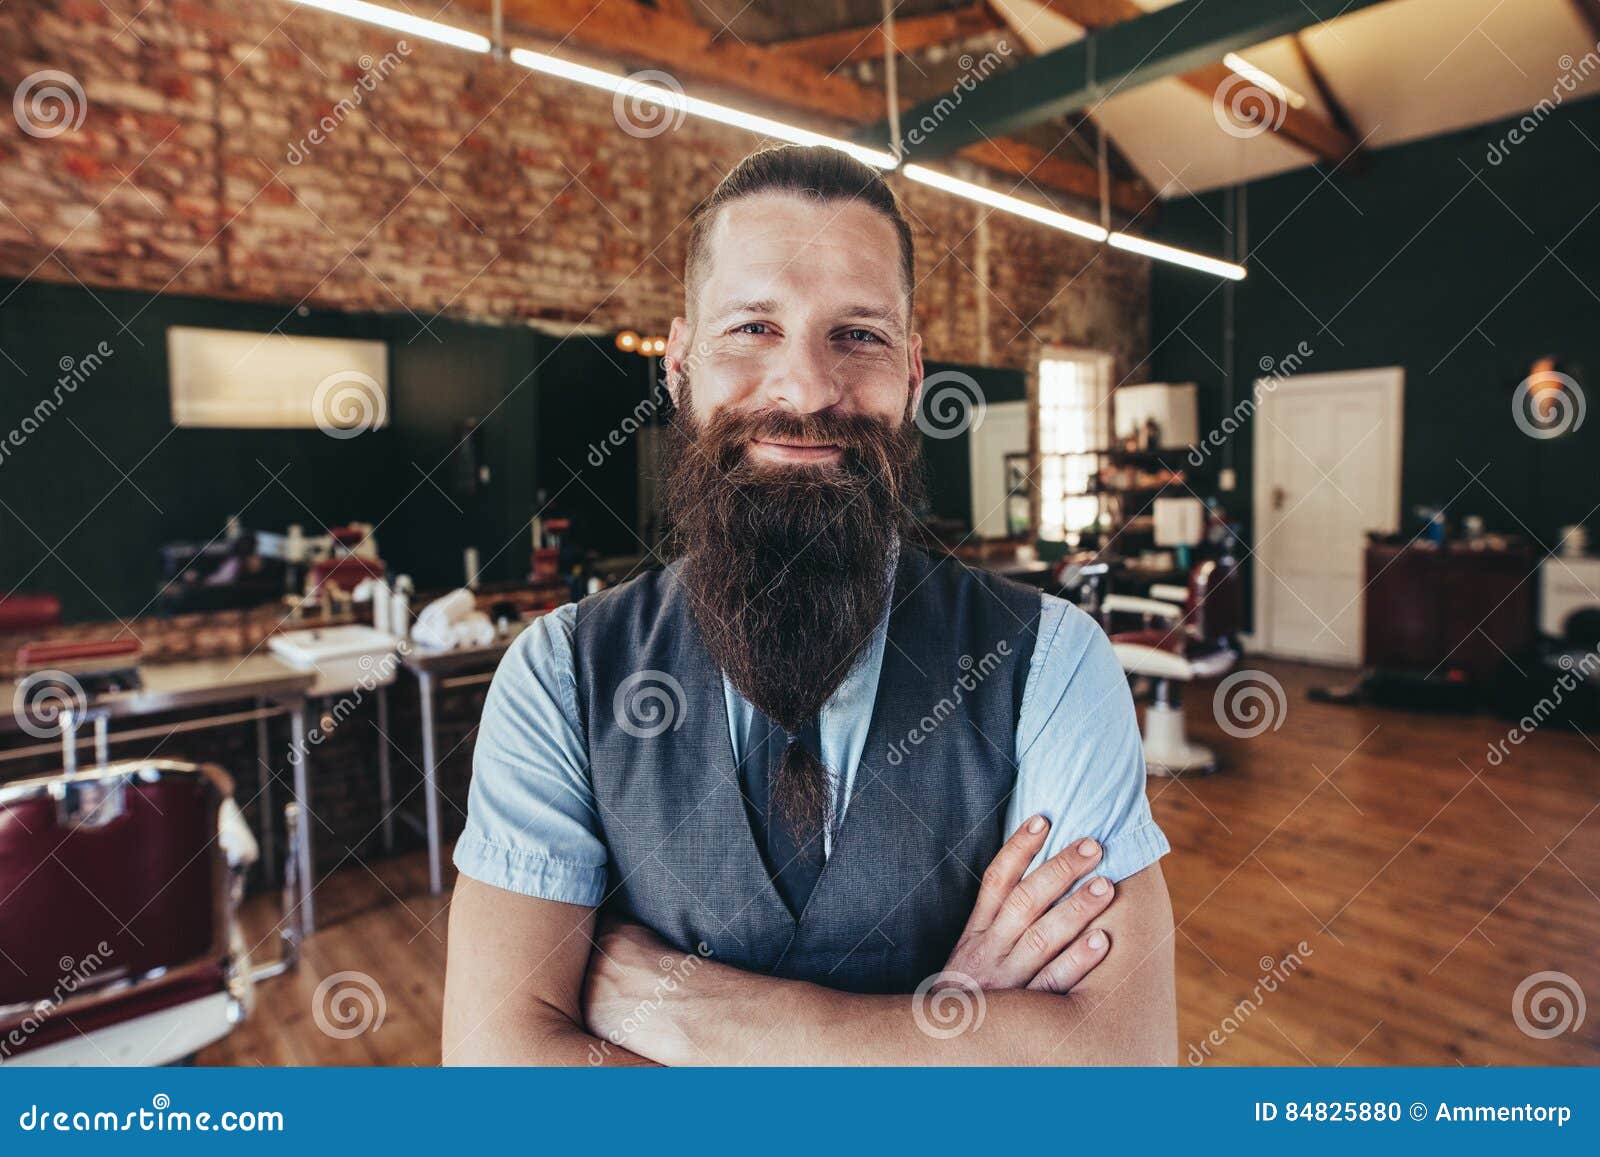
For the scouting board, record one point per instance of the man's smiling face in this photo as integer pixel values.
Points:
(801, 310)
(794, 472)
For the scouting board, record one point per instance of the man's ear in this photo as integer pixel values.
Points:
(915, 380)
(675, 362)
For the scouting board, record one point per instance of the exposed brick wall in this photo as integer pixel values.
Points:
(455, 184)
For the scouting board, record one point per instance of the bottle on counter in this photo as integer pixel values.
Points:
(400, 607)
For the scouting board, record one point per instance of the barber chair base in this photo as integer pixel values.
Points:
(159, 1038)
(1167, 750)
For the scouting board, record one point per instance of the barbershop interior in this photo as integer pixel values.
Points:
(331, 340)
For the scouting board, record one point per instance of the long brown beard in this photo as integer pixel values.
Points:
(788, 569)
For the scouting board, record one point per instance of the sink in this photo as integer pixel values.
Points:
(343, 658)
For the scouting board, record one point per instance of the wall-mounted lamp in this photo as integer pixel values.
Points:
(1549, 402)
(650, 347)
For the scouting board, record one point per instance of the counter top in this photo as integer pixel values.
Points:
(462, 658)
(186, 684)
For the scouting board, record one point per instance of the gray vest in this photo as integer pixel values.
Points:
(928, 802)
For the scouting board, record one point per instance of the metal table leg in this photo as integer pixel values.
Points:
(102, 739)
(269, 858)
(302, 798)
(385, 783)
(430, 786)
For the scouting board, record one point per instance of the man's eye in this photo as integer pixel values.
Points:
(753, 327)
(865, 335)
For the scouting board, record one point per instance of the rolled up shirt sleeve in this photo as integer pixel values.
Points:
(1079, 753)
(532, 825)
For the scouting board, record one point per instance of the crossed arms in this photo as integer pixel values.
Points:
(1088, 981)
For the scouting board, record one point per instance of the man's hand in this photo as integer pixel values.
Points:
(1014, 937)
(634, 980)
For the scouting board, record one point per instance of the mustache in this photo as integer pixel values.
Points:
(870, 447)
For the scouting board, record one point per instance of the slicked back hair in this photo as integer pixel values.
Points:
(814, 171)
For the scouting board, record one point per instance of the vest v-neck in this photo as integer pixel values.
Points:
(843, 722)
(925, 807)
(848, 793)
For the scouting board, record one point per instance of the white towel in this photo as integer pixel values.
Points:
(475, 630)
(450, 608)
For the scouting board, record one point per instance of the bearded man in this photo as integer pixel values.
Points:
(754, 807)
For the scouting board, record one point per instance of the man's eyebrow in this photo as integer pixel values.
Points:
(889, 315)
(765, 305)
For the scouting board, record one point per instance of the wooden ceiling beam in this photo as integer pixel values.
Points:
(634, 33)
(1152, 45)
(1328, 140)
(911, 33)
(690, 52)
(1337, 112)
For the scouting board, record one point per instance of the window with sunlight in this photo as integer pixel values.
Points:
(1074, 425)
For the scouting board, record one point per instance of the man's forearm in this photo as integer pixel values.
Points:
(557, 1041)
(512, 996)
(544, 1036)
(1123, 1010)
(737, 1018)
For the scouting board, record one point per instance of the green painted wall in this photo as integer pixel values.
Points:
(1461, 258)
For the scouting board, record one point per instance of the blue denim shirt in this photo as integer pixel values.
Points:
(532, 824)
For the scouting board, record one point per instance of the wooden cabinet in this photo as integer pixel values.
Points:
(1435, 609)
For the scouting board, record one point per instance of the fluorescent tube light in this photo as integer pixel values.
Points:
(1002, 201)
(1263, 79)
(1176, 256)
(402, 22)
(678, 102)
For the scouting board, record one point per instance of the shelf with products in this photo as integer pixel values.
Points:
(1126, 484)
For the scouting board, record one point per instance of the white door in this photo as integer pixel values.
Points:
(1327, 470)
(1004, 430)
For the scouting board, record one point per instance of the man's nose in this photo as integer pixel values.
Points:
(806, 380)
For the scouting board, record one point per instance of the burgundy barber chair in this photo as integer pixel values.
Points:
(118, 890)
(1188, 634)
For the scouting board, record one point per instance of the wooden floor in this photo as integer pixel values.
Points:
(1425, 884)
